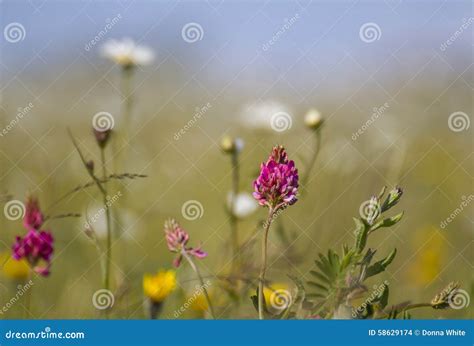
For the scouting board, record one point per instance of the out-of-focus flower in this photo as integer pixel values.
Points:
(198, 303)
(33, 218)
(313, 119)
(127, 53)
(259, 115)
(232, 145)
(102, 137)
(243, 204)
(159, 286)
(176, 239)
(277, 184)
(37, 248)
(13, 269)
(428, 262)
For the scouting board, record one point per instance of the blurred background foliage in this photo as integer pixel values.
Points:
(318, 62)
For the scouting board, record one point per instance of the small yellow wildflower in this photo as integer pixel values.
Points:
(277, 297)
(13, 269)
(157, 287)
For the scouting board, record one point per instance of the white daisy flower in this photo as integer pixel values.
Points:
(127, 53)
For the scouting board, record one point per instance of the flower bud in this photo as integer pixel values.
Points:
(232, 145)
(102, 137)
(392, 198)
(313, 119)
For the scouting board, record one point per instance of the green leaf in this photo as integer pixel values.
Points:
(361, 232)
(381, 265)
(387, 222)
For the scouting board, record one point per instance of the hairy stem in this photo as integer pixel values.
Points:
(201, 281)
(109, 231)
(263, 266)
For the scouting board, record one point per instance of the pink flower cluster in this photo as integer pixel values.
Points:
(176, 239)
(37, 245)
(277, 184)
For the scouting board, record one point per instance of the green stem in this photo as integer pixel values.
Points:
(263, 267)
(127, 74)
(108, 250)
(196, 270)
(312, 161)
(416, 306)
(233, 217)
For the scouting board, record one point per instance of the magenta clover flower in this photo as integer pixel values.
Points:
(36, 247)
(33, 218)
(277, 184)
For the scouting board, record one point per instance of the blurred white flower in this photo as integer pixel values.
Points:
(244, 204)
(126, 53)
(258, 115)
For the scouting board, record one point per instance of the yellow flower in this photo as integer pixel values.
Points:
(13, 269)
(198, 302)
(157, 287)
(277, 297)
(428, 262)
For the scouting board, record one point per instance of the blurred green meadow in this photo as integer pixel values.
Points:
(408, 143)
